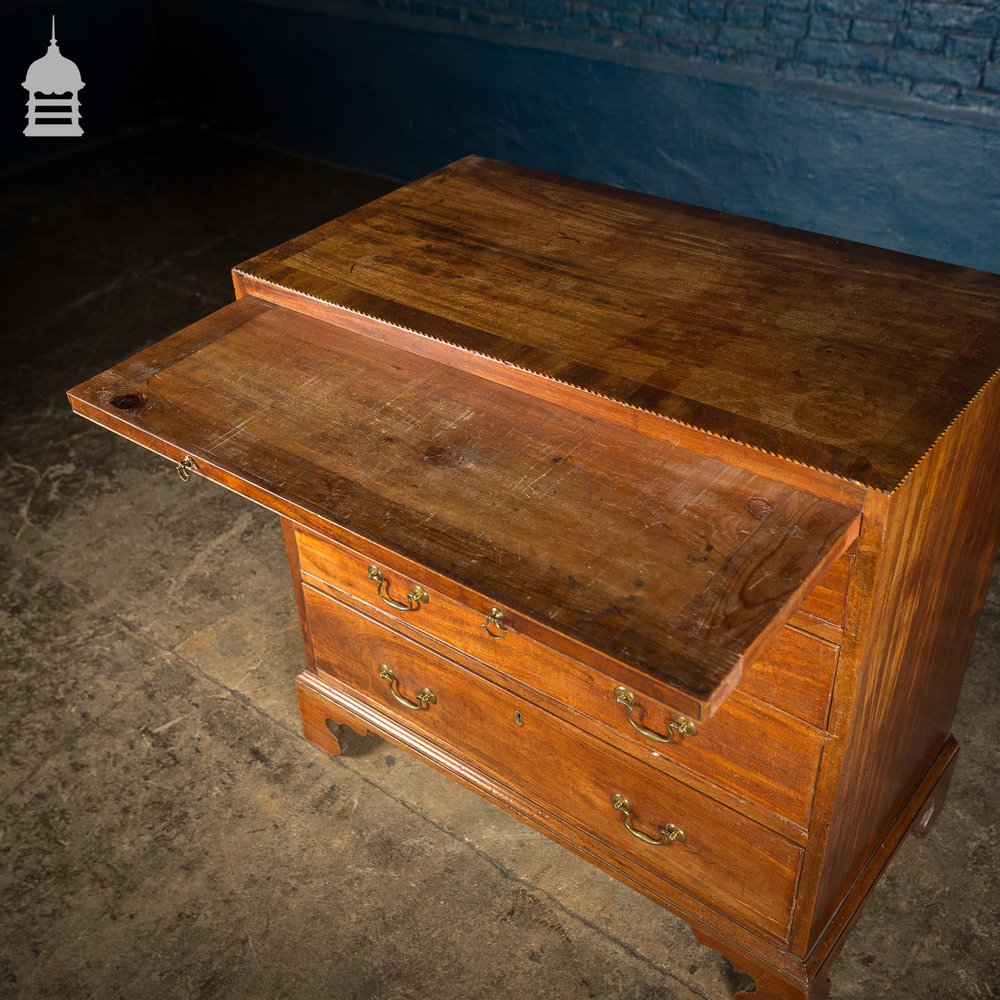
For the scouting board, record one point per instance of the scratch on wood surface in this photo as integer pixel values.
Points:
(233, 432)
(408, 388)
(424, 520)
(626, 623)
(549, 465)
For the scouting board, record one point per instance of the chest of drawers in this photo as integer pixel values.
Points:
(667, 531)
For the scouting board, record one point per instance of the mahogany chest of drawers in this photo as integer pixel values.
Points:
(667, 531)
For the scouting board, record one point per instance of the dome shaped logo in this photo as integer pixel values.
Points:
(53, 84)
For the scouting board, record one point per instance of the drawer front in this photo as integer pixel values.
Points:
(747, 747)
(726, 859)
(767, 760)
(796, 673)
(828, 599)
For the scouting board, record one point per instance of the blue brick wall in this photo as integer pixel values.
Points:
(934, 51)
(402, 95)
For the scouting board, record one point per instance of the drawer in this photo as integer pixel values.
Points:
(725, 859)
(760, 755)
(747, 747)
(795, 673)
(827, 602)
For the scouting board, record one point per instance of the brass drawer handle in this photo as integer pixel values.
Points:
(414, 598)
(425, 698)
(680, 726)
(669, 834)
(495, 618)
(185, 467)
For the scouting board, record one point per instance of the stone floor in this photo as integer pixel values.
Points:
(165, 830)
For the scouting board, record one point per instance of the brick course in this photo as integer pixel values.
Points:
(833, 29)
(873, 32)
(933, 50)
(937, 69)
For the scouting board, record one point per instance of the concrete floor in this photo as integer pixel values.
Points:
(165, 830)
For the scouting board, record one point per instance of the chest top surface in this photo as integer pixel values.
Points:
(839, 356)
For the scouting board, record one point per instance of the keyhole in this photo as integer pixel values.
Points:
(518, 721)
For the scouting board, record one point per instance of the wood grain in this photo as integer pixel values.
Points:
(796, 674)
(763, 757)
(646, 422)
(662, 559)
(942, 537)
(770, 982)
(292, 552)
(843, 357)
(725, 855)
(930, 792)
(321, 699)
(828, 600)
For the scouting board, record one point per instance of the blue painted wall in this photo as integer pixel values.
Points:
(112, 43)
(401, 95)
(876, 120)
